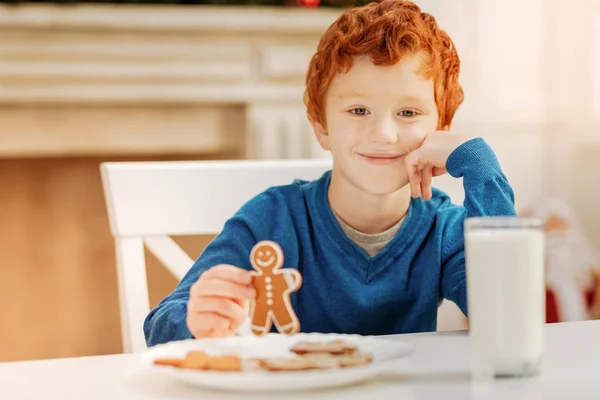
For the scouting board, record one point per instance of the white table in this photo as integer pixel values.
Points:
(438, 369)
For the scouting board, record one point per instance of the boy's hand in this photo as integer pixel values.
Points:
(219, 301)
(429, 160)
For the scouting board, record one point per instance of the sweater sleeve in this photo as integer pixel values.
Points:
(167, 321)
(487, 193)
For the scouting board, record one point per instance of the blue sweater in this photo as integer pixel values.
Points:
(344, 290)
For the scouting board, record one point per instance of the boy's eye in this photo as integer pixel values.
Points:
(359, 111)
(407, 113)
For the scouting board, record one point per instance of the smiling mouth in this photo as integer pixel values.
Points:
(263, 264)
(381, 158)
(384, 156)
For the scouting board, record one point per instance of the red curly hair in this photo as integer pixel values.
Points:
(386, 31)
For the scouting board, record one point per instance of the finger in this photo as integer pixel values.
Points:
(222, 306)
(241, 302)
(426, 183)
(229, 273)
(297, 278)
(222, 333)
(204, 324)
(222, 288)
(412, 165)
(415, 190)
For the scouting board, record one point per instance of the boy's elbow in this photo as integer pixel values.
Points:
(148, 329)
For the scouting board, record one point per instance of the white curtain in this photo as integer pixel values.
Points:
(531, 74)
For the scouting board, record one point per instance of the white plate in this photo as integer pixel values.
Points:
(385, 353)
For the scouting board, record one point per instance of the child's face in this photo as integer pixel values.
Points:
(375, 116)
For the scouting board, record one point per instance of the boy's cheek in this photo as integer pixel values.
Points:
(413, 136)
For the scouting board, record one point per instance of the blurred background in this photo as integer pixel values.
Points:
(86, 82)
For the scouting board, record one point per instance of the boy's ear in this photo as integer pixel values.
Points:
(446, 128)
(321, 135)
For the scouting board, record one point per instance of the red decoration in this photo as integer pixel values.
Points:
(309, 3)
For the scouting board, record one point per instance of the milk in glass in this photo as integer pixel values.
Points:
(506, 295)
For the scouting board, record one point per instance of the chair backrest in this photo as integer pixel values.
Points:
(148, 201)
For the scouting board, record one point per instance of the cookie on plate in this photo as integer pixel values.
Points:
(337, 347)
(281, 364)
(343, 361)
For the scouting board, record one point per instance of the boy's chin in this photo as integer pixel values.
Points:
(385, 188)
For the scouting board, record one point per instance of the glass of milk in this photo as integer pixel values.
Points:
(505, 295)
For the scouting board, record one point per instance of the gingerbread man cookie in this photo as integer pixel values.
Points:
(273, 287)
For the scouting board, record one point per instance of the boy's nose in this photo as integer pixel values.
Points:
(384, 132)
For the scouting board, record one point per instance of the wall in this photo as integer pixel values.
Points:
(573, 101)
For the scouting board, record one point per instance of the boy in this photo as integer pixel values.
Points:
(378, 248)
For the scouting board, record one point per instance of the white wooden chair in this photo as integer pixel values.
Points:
(149, 201)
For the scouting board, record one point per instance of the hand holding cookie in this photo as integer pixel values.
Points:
(219, 301)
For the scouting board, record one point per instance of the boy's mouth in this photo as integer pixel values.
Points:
(381, 158)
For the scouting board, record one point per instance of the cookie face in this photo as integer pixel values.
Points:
(273, 286)
(266, 255)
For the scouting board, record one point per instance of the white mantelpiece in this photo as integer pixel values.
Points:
(143, 79)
